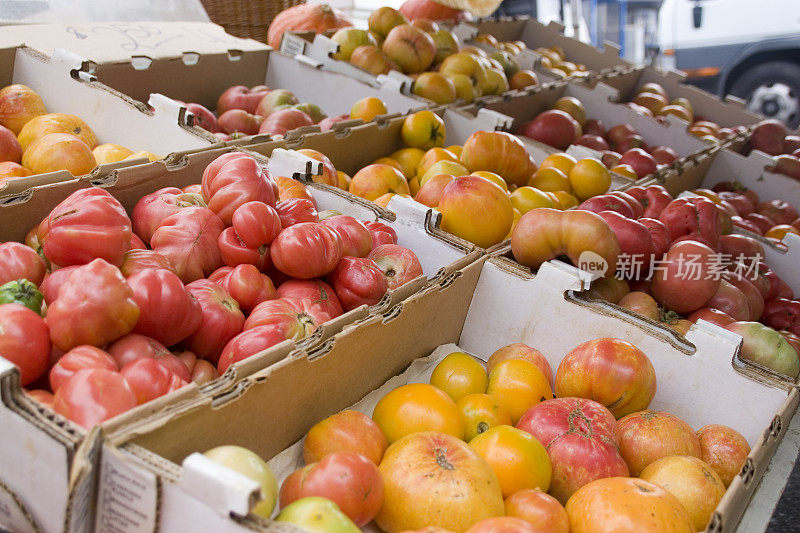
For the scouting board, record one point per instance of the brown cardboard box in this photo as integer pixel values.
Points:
(479, 308)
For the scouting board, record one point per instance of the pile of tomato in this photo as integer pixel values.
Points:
(102, 311)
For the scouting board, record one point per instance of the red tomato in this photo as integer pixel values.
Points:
(694, 218)
(249, 343)
(234, 252)
(256, 224)
(94, 306)
(42, 396)
(52, 283)
(350, 480)
(296, 210)
(93, 395)
(88, 224)
(204, 372)
(381, 233)
(150, 379)
(295, 318)
(654, 199)
(247, 286)
(222, 320)
(634, 239)
(136, 243)
(152, 209)
(18, 261)
(167, 312)
(234, 179)
(731, 301)
(747, 286)
(660, 235)
(194, 188)
(138, 260)
(79, 358)
(314, 290)
(189, 240)
(683, 282)
(25, 341)
(358, 281)
(306, 250)
(715, 316)
(635, 205)
(133, 346)
(356, 238)
(607, 202)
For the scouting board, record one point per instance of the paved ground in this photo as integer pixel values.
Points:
(787, 513)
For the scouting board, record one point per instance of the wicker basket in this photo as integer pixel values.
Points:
(247, 18)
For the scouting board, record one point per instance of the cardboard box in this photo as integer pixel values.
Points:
(479, 308)
(113, 117)
(719, 164)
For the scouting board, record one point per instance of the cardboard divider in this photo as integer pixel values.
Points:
(113, 118)
(488, 307)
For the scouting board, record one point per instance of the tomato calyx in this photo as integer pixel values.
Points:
(482, 427)
(668, 317)
(441, 459)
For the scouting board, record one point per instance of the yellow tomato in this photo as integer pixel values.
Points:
(550, 179)
(456, 149)
(562, 161)
(481, 412)
(417, 407)
(343, 180)
(458, 375)
(491, 176)
(589, 177)
(368, 108)
(443, 167)
(389, 161)
(711, 195)
(527, 198)
(110, 153)
(433, 156)
(518, 385)
(414, 186)
(517, 458)
(144, 153)
(555, 200)
(625, 170)
(423, 129)
(408, 158)
(780, 231)
(517, 216)
(567, 200)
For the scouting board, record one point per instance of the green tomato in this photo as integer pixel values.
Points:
(766, 347)
(251, 465)
(22, 292)
(317, 515)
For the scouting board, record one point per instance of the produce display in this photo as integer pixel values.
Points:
(33, 141)
(771, 137)
(552, 59)
(508, 445)
(104, 311)
(567, 124)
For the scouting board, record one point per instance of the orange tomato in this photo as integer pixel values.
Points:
(434, 155)
(780, 231)
(343, 180)
(368, 108)
(519, 350)
(625, 170)
(389, 161)
(517, 458)
(542, 511)
(518, 385)
(459, 375)
(481, 412)
(589, 177)
(417, 407)
(456, 149)
(408, 158)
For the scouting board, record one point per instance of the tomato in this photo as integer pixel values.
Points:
(502, 524)
(88, 224)
(52, 283)
(519, 460)
(660, 235)
(134, 346)
(150, 379)
(612, 372)
(204, 372)
(138, 260)
(730, 300)
(654, 199)
(782, 313)
(318, 515)
(741, 248)
(25, 341)
(249, 464)
(635, 242)
(779, 211)
(167, 311)
(540, 510)
(249, 343)
(607, 202)
(290, 188)
(683, 283)
(222, 320)
(306, 250)
(296, 210)
(136, 243)
(189, 240)
(641, 303)
(233, 179)
(381, 233)
(42, 396)
(358, 281)
(152, 209)
(346, 431)
(356, 238)
(92, 396)
(79, 358)
(693, 218)
(715, 316)
(459, 375)
(295, 318)
(518, 385)
(767, 347)
(400, 265)
(22, 292)
(314, 290)
(328, 175)
(246, 285)
(350, 480)
(417, 407)
(633, 203)
(480, 412)
(611, 289)
(501, 153)
(741, 203)
(194, 189)
(571, 233)
(18, 261)
(754, 299)
(647, 435)
(94, 306)
(234, 252)
(723, 449)
(256, 224)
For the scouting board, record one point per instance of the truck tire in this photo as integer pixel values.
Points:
(771, 89)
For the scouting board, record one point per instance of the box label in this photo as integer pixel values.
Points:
(127, 497)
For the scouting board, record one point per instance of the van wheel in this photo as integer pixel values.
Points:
(771, 89)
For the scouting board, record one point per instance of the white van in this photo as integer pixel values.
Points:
(748, 48)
